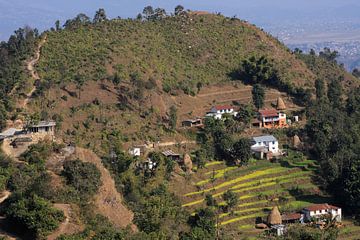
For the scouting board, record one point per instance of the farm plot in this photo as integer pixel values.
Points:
(259, 187)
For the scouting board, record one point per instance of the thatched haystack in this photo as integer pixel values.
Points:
(296, 141)
(187, 162)
(274, 217)
(280, 105)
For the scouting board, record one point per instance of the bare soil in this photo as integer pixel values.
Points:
(108, 200)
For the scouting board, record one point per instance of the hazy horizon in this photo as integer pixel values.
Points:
(42, 14)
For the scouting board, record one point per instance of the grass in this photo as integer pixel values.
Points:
(237, 219)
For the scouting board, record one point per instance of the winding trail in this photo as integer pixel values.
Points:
(30, 66)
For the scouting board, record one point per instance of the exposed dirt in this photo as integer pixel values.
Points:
(108, 200)
(30, 66)
(70, 225)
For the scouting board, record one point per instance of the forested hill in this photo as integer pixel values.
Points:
(180, 52)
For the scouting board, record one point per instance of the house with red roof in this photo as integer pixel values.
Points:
(217, 112)
(270, 118)
(321, 210)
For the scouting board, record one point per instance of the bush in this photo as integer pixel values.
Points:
(83, 177)
(33, 214)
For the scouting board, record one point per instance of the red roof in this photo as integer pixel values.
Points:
(318, 207)
(268, 112)
(223, 107)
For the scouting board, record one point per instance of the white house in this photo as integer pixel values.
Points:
(319, 210)
(135, 151)
(217, 111)
(268, 143)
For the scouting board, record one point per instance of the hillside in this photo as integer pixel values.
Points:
(114, 84)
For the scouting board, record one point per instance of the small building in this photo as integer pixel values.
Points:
(292, 218)
(218, 111)
(43, 127)
(322, 210)
(197, 122)
(11, 132)
(279, 230)
(172, 155)
(135, 151)
(270, 118)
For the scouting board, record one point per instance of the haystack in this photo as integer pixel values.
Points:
(274, 217)
(187, 162)
(280, 105)
(296, 141)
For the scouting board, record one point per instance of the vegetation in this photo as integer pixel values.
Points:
(258, 95)
(33, 214)
(83, 177)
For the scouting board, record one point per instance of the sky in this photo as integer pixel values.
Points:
(43, 13)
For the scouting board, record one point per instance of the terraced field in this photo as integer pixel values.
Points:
(259, 186)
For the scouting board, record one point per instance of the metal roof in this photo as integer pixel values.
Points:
(168, 153)
(9, 132)
(44, 124)
(267, 138)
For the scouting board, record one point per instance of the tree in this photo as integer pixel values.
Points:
(80, 20)
(3, 116)
(245, 114)
(100, 16)
(329, 55)
(79, 80)
(173, 117)
(33, 214)
(160, 13)
(178, 10)
(356, 72)
(83, 177)
(148, 12)
(57, 25)
(258, 96)
(242, 150)
(259, 70)
(335, 92)
(320, 89)
(231, 199)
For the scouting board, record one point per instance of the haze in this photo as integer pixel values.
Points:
(267, 14)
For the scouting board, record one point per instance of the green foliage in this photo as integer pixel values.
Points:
(258, 96)
(33, 214)
(231, 199)
(259, 70)
(158, 207)
(202, 226)
(242, 150)
(173, 117)
(300, 232)
(83, 177)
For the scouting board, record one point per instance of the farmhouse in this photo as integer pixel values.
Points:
(218, 111)
(10, 133)
(171, 155)
(43, 127)
(265, 146)
(322, 210)
(270, 118)
(196, 122)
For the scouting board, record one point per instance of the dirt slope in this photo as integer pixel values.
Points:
(108, 200)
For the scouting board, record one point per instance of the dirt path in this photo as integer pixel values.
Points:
(108, 200)
(30, 66)
(69, 225)
(244, 89)
(166, 144)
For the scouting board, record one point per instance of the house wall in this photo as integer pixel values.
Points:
(334, 214)
(271, 146)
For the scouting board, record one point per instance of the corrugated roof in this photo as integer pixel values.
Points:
(168, 153)
(267, 138)
(44, 124)
(9, 132)
(318, 207)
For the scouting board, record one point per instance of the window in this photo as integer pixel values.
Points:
(273, 142)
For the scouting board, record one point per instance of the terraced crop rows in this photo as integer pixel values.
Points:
(259, 187)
